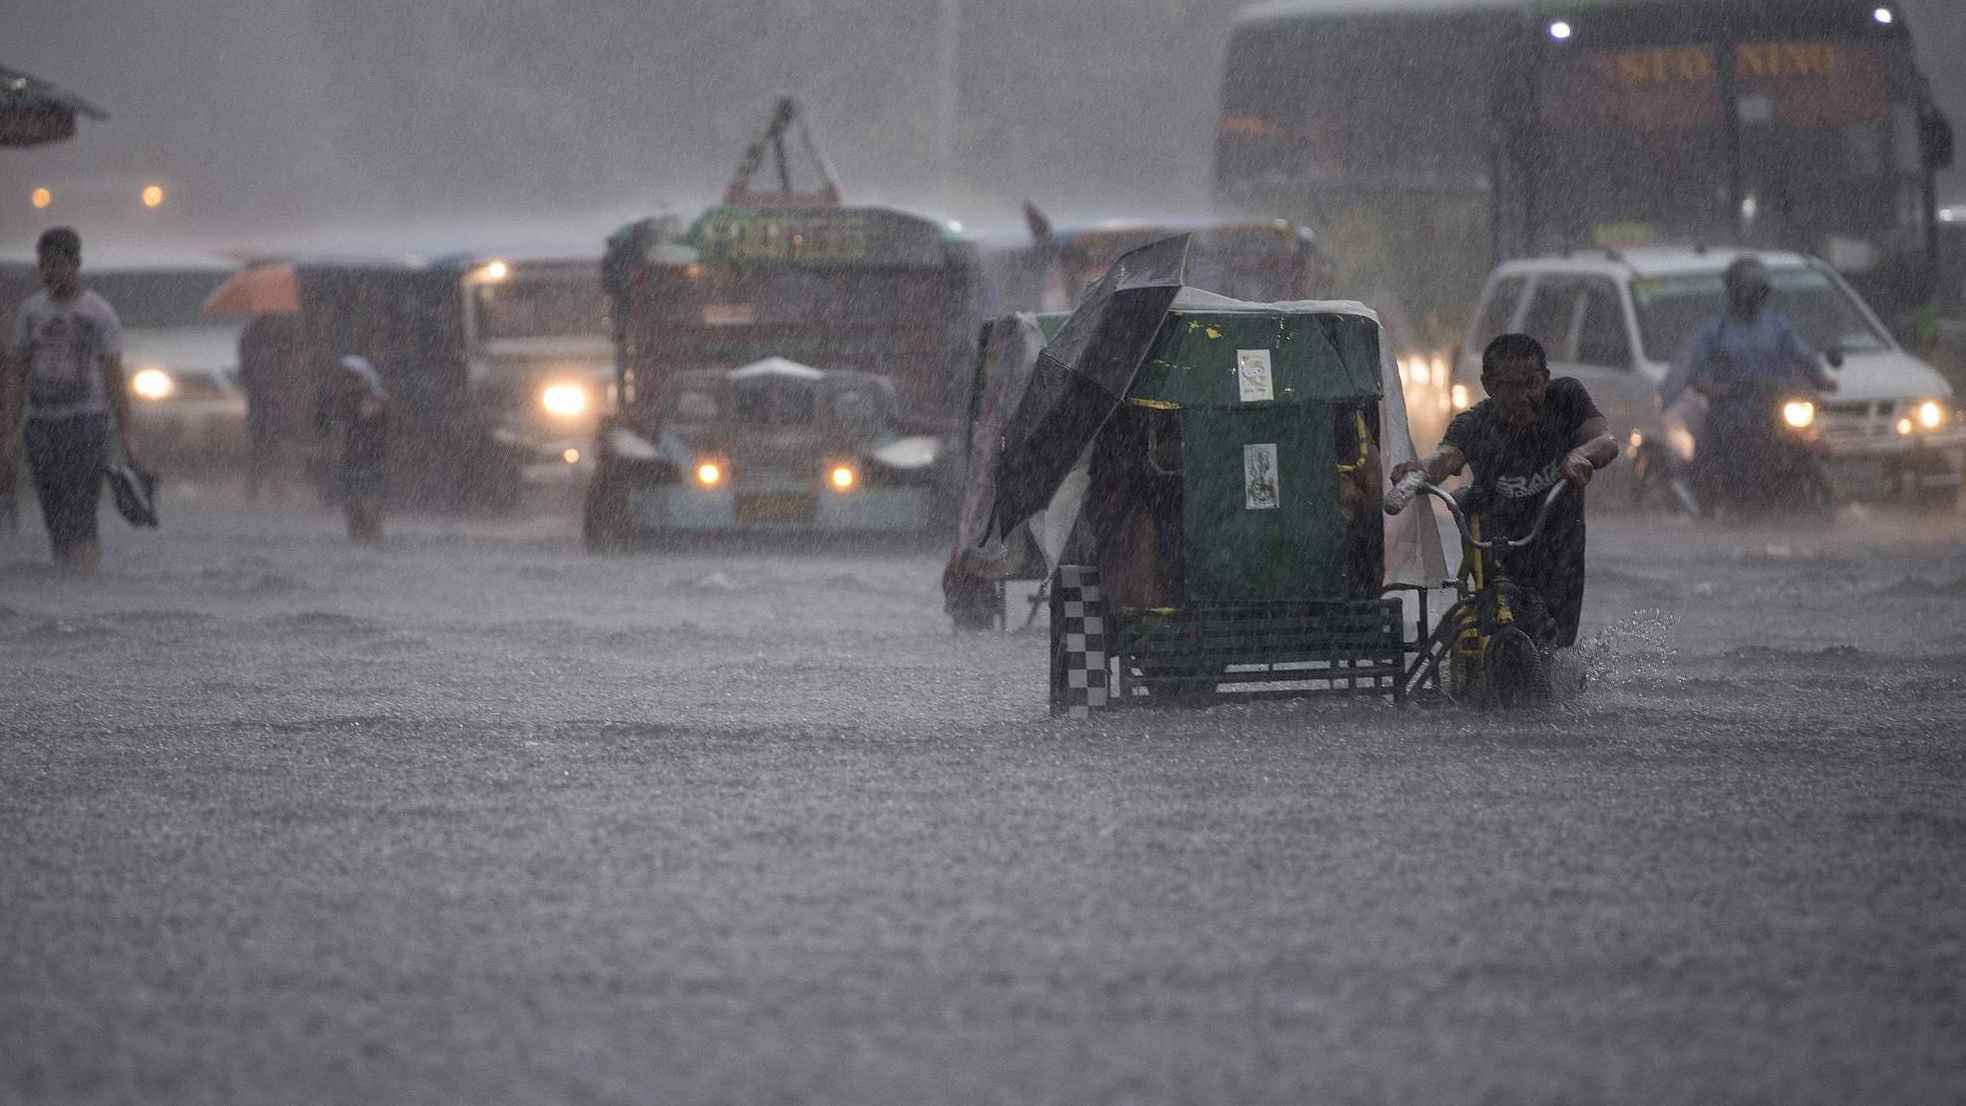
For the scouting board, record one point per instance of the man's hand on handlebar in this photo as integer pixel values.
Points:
(1577, 469)
(1438, 465)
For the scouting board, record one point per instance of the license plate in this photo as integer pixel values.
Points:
(775, 508)
(1858, 476)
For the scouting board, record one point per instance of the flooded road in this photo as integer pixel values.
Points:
(478, 817)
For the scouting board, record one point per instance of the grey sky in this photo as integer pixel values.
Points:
(561, 117)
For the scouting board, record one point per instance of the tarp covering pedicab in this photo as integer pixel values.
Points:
(1223, 460)
(972, 581)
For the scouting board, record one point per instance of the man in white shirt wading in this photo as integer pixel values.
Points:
(65, 362)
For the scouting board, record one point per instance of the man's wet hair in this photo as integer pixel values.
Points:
(61, 240)
(1513, 347)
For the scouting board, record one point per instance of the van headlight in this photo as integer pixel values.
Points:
(153, 384)
(1799, 413)
(567, 401)
(1931, 414)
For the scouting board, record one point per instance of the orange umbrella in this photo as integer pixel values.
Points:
(261, 290)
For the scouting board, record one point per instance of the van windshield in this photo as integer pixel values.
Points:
(1671, 310)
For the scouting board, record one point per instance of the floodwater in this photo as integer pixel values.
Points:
(479, 817)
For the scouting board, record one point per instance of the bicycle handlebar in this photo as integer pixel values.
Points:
(1416, 483)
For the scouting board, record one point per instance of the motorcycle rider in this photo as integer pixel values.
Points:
(1742, 361)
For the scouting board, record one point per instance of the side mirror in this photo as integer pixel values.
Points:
(1834, 355)
(1935, 137)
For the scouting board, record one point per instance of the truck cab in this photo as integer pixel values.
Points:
(540, 361)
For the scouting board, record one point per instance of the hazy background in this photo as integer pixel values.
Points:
(382, 122)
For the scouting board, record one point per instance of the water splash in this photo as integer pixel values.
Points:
(1638, 646)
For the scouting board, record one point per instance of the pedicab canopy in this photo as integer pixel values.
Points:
(1243, 414)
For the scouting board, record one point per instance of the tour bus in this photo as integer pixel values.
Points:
(1425, 140)
(781, 298)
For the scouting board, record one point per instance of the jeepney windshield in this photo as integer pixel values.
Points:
(1671, 309)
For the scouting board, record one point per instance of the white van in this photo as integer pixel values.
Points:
(1617, 320)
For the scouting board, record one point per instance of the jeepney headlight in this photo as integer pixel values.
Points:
(842, 478)
(1799, 413)
(1931, 414)
(709, 474)
(565, 401)
(1459, 395)
(153, 384)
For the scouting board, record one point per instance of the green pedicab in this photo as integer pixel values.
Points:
(1223, 462)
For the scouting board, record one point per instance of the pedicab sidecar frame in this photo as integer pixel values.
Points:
(1231, 541)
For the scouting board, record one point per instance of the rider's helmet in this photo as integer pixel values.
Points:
(1747, 286)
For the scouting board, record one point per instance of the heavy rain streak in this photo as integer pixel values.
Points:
(1112, 551)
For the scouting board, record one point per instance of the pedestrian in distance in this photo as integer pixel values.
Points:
(357, 414)
(269, 349)
(64, 369)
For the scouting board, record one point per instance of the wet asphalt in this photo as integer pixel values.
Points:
(476, 817)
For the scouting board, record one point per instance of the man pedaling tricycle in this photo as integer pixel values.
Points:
(1529, 434)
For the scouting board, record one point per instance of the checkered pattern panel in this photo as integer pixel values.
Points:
(1078, 642)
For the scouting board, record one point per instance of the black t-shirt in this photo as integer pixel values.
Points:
(1513, 470)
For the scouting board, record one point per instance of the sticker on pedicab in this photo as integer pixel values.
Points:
(1259, 477)
(1253, 378)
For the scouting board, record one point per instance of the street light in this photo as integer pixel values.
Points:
(153, 195)
(41, 197)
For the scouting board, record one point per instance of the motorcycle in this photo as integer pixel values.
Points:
(1761, 453)
(1746, 452)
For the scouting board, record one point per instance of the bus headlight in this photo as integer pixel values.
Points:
(709, 473)
(1931, 414)
(1799, 413)
(565, 401)
(153, 384)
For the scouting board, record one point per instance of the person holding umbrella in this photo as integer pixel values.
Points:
(64, 364)
(356, 409)
(268, 295)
